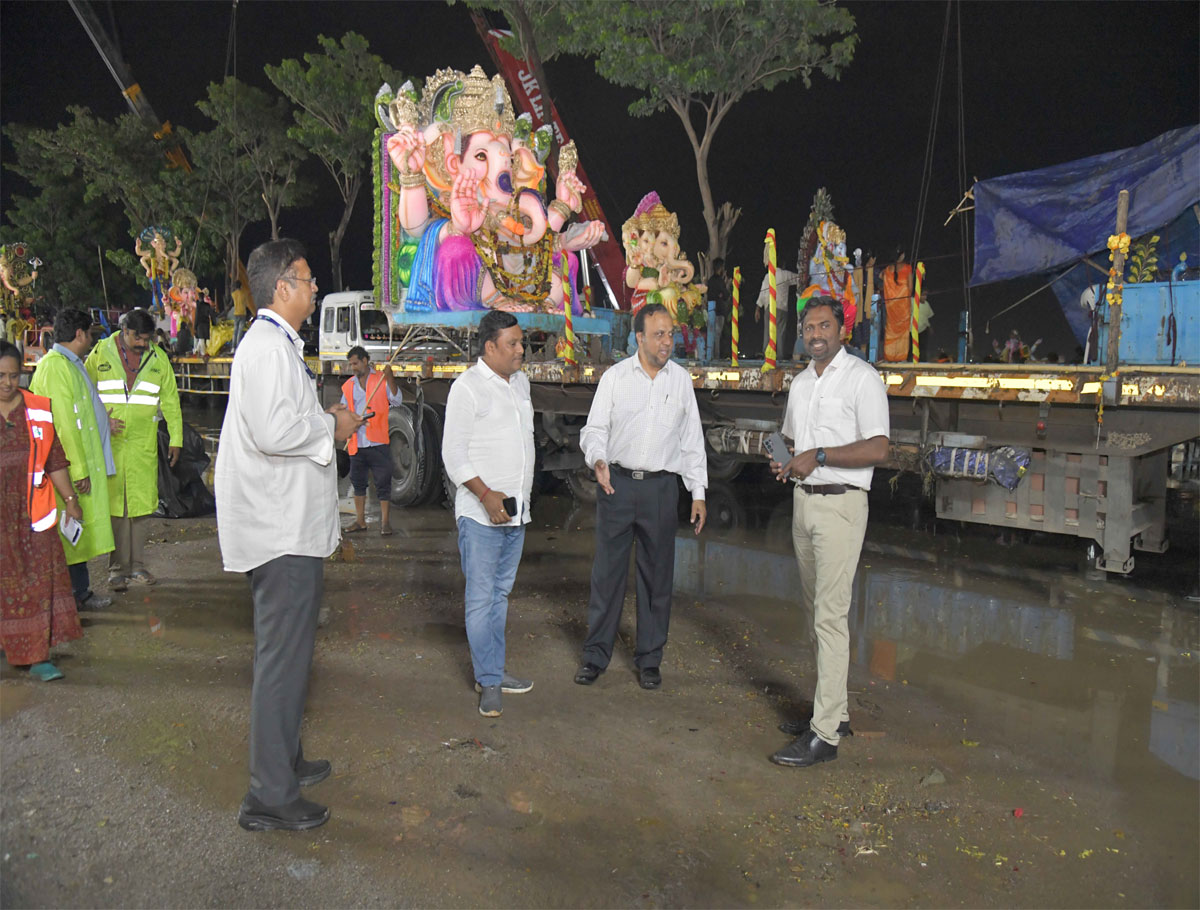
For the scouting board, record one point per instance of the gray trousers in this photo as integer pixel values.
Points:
(287, 598)
(645, 511)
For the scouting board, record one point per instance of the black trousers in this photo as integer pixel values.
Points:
(287, 600)
(646, 511)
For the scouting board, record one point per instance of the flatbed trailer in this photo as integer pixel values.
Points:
(1100, 445)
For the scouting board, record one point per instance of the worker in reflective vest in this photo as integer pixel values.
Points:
(135, 381)
(369, 392)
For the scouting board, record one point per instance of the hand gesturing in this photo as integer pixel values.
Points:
(466, 212)
(406, 148)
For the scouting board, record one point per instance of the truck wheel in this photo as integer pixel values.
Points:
(726, 515)
(409, 469)
(722, 467)
(583, 485)
(431, 456)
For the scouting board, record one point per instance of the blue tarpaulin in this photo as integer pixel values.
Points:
(1038, 221)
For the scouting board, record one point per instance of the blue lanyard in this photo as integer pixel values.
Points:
(291, 344)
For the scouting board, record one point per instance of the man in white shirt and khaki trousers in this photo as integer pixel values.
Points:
(643, 433)
(487, 447)
(837, 415)
(277, 521)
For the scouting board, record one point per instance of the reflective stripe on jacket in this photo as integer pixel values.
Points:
(42, 509)
(133, 490)
(377, 426)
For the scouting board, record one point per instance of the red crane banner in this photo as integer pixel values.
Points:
(527, 95)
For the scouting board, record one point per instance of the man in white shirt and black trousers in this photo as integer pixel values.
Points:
(837, 415)
(643, 433)
(277, 521)
(487, 448)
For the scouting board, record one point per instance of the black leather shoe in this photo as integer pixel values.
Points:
(804, 751)
(298, 815)
(95, 601)
(312, 772)
(588, 674)
(800, 727)
(649, 678)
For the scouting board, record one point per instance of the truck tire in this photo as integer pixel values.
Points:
(410, 468)
(583, 485)
(722, 467)
(432, 486)
(726, 514)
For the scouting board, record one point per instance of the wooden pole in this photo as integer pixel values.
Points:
(569, 329)
(916, 309)
(1114, 308)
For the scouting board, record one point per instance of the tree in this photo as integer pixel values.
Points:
(257, 126)
(222, 191)
(700, 57)
(62, 231)
(334, 93)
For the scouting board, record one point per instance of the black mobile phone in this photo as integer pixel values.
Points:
(367, 415)
(510, 506)
(777, 449)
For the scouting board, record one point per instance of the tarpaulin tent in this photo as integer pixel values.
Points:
(1043, 221)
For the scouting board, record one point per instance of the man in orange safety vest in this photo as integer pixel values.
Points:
(370, 393)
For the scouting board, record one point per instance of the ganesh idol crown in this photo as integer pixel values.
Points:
(462, 205)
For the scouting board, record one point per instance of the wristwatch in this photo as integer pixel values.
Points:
(821, 458)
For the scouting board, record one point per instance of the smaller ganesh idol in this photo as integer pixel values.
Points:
(463, 178)
(158, 264)
(18, 273)
(181, 299)
(658, 272)
(831, 274)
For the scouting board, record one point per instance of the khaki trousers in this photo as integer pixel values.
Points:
(827, 533)
(129, 539)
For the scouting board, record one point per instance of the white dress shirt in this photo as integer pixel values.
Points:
(847, 403)
(645, 424)
(489, 435)
(276, 477)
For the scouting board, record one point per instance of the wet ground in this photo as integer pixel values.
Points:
(1026, 734)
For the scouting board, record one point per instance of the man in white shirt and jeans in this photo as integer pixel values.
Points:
(643, 433)
(277, 520)
(487, 448)
(837, 414)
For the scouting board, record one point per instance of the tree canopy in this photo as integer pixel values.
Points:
(333, 92)
(698, 58)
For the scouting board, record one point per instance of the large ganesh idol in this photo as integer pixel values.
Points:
(830, 273)
(469, 179)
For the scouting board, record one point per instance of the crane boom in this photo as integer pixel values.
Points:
(110, 53)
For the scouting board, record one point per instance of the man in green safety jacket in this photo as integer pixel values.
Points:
(134, 378)
(84, 430)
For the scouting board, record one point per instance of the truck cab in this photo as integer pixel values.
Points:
(350, 318)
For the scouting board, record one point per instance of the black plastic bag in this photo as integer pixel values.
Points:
(181, 489)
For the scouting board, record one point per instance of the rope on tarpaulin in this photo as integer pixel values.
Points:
(988, 325)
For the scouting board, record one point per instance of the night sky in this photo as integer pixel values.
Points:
(1043, 83)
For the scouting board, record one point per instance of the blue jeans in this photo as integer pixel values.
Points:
(490, 556)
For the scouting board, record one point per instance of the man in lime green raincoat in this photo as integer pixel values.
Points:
(82, 426)
(135, 381)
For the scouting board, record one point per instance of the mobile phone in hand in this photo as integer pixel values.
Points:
(510, 506)
(367, 415)
(777, 449)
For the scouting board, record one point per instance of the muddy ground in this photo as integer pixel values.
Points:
(1026, 736)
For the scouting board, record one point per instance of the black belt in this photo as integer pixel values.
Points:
(638, 475)
(829, 489)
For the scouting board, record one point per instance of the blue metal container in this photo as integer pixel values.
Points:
(1160, 323)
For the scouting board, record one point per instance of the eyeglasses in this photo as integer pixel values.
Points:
(311, 279)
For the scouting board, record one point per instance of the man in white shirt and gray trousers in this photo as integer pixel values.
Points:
(277, 521)
(487, 447)
(643, 433)
(837, 414)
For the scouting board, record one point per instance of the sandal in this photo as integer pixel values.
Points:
(354, 529)
(45, 671)
(385, 531)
